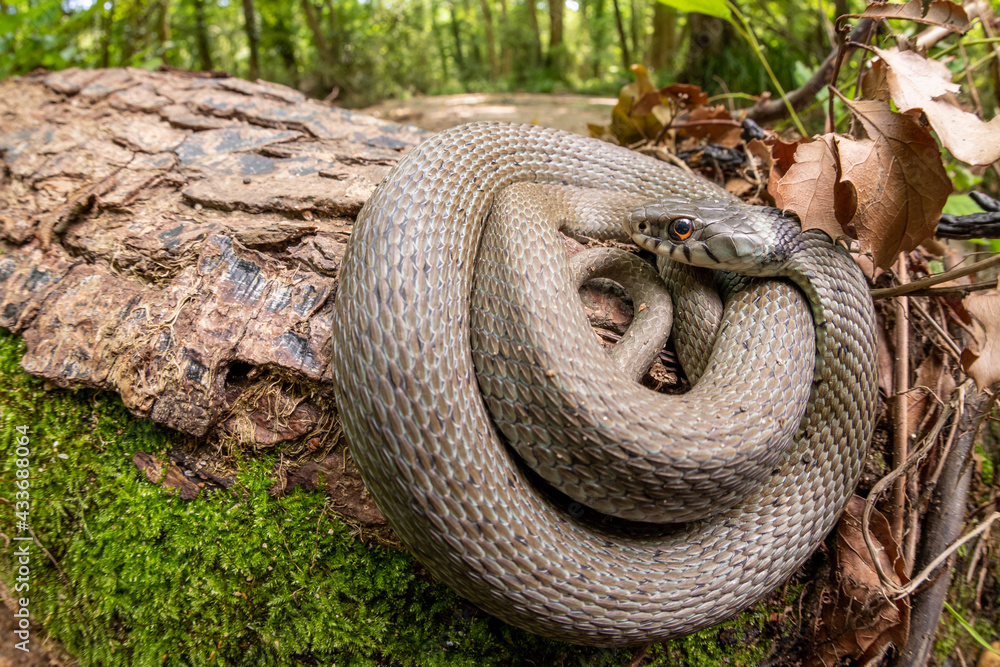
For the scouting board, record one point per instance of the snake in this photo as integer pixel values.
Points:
(464, 500)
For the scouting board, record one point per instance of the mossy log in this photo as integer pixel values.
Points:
(175, 238)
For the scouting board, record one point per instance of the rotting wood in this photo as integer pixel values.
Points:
(176, 239)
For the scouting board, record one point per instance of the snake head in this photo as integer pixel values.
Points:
(713, 234)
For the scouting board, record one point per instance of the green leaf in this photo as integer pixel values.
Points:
(968, 628)
(717, 8)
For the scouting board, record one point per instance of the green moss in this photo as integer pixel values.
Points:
(234, 577)
(962, 597)
(989, 465)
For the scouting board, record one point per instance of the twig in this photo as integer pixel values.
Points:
(961, 272)
(942, 525)
(925, 574)
(900, 417)
(957, 290)
(884, 483)
(948, 341)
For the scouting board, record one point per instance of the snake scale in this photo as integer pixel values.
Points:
(454, 492)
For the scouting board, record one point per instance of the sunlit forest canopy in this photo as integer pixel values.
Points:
(362, 51)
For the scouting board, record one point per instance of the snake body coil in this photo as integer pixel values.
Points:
(418, 429)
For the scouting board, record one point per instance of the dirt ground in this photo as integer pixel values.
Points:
(564, 112)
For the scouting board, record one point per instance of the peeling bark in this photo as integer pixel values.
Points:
(176, 238)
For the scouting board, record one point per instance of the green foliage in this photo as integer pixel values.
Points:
(368, 50)
(35, 35)
(988, 465)
(719, 8)
(234, 577)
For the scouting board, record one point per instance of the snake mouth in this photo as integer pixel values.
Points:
(652, 237)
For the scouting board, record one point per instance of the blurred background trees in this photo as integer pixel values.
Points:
(364, 51)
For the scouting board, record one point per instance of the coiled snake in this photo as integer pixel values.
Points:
(421, 435)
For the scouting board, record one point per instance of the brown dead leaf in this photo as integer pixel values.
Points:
(715, 124)
(687, 95)
(777, 155)
(941, 13)
(807, 188)
(874, 85)
(858, 621)
(627, 125)
(919, 83)
(645, 104)
(168, 475)
(900, 182)
(984, 366)
(761, 151)
(919, 401)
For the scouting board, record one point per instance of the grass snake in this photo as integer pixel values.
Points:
(459, 497)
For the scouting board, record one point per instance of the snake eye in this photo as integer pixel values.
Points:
(680, 229)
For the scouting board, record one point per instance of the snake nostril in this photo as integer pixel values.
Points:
(643, 227)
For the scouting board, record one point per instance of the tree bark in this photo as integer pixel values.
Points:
(554, 58)
(284, 41)
(253, 39)
(296, 207)
(163, 31)
(107, 30)
(622, 37)
(201, 36)
(598, 36)
(456, 34)
(664, 41)
(536, 34)
(491, 44)
(506, 51)
(325, 76)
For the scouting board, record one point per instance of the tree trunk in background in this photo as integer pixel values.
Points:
(284, 41)
(626, 58)
(491, 43)
(163, 31)
(532, 7)
(331, 22)
(107, 25)
(506, 52)
(456, 33)
(554, 58)
(636, 28)
(598, 36)
(134, 30)
(436, 30)
(325, 78)
(253, 38)
(709, 37)
(473, 48)
(664, 40)
(201, 35)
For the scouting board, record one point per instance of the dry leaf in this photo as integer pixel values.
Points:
(919, 83)
(686, 94)
(725, 133)
(874, 85)
(940, 13)
(779, 159)
(984, 367)
(899, 180)
(807, 188)
(919, 401)
(629, 126)
(858, 621)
